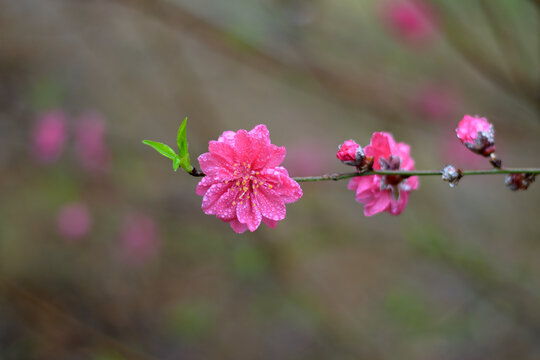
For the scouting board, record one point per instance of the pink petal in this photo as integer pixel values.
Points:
(271, 223)
(223, 150)
(261, 132)
(397, 207)
(237, 226)
(270, 204)
(214, 193)
(216, 166)
(268, 156)
(243, 147)
(225, 207)
(248, 214)
(205, 184)
(227, 136)
(285, 187)
(379, 204)
(413, 182)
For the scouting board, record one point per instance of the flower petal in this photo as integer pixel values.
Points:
(237, 226)
(214, 193)
(271, 204)
(379, 204)
(248, 214)
(216, 166)
(271, 223)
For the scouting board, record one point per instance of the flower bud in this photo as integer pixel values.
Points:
(351, 153)
(451, 175)
(477, 134)
(517, 182)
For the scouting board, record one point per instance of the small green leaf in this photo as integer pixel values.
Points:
(186, 164)
(181, 138)
(176, 163)
(163, 149)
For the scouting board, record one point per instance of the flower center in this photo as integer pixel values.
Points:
(247, 182)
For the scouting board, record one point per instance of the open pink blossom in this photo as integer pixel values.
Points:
(413, 21)
(49, 136)
(244, 183)
(74, 221)
(385, 193)
(477, 134)
(91, 148)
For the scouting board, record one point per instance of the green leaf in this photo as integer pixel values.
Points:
(186, 164)
(176, 163)
(163, 149)
(181, 139)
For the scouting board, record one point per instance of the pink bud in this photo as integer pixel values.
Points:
(49, 136)
(477, 134)
(74, 221)
(91, 149)
(351, 153)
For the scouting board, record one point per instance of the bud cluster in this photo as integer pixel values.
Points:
(451, 175)
(517, 182)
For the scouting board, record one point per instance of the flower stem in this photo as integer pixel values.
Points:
(342, 176)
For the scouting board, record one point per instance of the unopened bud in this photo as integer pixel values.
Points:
(351, 153)
(451, 175)
(477, 134)
(517, 182)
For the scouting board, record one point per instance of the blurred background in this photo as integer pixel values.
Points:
(105, 253)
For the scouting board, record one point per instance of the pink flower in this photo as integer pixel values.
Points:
(351, 153)
(74, 221)
(139, 237)
(385, 193)
(91, 149)
(49, 136)
(413, 21)
(244, 183)
(477, 134)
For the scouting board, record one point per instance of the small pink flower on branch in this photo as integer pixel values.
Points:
(244, 184)
(388, 193)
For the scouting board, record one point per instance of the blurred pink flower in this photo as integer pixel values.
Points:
(74, 221)
(244, 184)
(49, 136)
(435, 102)
(390, 192)
(413, 21)
(139, 237)
(477, 134)
(91, 149)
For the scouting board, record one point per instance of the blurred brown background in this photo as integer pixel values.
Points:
(105, 253)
